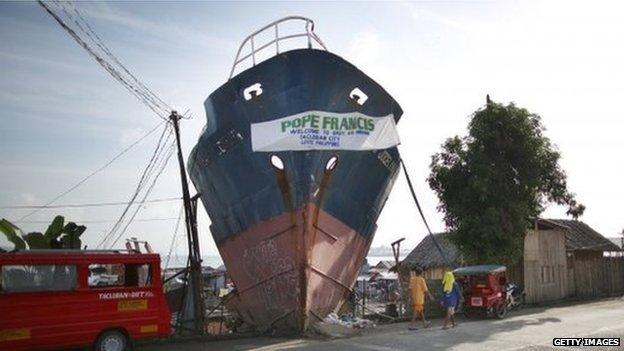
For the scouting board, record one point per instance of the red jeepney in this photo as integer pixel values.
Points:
(52, 299)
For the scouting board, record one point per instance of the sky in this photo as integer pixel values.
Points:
(62, 116)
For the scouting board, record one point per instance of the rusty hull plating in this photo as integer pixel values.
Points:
(293, 235)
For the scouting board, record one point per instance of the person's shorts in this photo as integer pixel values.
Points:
(419, 307)
(450, 310)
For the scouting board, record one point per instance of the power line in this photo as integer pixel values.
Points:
(174, 239)
(149, 170)
(106, 221)
(83, 180)
(99, 204)
(145, 175)
(107, 51)
(422, 215)
(136, 88)
(147, 192)
(82, 32)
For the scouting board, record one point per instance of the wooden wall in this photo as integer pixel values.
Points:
(545, 272)
(613, 268)
(435, 273)
(571, 275)
(596, 276)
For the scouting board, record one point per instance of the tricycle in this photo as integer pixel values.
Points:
(485, 291)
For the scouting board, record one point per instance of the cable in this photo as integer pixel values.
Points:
(74, 23)
(107, 51)
(146, 175)
(83, 180)
(138, 208)
(108, 221)
(138, 89)
(100, 204)
(175, 237)
(139, 187)
(422, 215)
(142, 181)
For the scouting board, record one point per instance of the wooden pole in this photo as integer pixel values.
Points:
(190, 206)
(396, 250)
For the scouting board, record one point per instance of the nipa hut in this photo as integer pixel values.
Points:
(428, 257)
(562, 258)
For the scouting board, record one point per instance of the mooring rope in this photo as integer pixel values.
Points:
(422, 215)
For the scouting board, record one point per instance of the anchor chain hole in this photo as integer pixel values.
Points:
(277, 162)
(331, 164)
(358, 96)
(252, 91)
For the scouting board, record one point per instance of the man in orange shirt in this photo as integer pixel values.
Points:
(418, 288)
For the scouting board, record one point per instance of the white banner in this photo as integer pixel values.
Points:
(319, 130)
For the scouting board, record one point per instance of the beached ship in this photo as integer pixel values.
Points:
(294, 166)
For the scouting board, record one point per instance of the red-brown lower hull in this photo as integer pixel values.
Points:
(293, 269)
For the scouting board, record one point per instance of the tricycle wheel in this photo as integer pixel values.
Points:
(500, 311)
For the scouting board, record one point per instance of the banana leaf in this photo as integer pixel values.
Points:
(55, 229)
(71, 242)
(36, 241)
(10, 231)
(71, 239)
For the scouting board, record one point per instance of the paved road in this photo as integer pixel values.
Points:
(530, 329)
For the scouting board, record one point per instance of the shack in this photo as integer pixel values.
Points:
(562, 258)
(594, 264)
(428, 257)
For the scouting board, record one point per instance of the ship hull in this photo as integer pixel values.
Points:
(293, 269)
(293, 236)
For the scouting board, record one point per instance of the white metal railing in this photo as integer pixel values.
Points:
(309, 34)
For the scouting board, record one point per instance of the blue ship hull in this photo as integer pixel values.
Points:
(261, 214)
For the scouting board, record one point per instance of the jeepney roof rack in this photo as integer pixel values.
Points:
(44, 251)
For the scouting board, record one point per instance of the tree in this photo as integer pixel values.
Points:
(58, 236)
(493, 181)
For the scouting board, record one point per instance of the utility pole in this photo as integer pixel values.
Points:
(396, 251)
(193, 297)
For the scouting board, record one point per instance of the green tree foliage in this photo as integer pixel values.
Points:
(58, 235)
(491, 182)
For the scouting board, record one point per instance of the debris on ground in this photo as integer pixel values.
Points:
(349, 321)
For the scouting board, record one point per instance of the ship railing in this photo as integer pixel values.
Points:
(309, 34)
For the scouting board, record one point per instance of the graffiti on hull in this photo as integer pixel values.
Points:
(274, 272)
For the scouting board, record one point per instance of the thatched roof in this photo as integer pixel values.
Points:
(580, 236)
(426, 255)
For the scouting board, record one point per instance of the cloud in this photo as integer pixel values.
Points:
(364, 49)
(164, 30)
(40, 61)
(29, 199)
